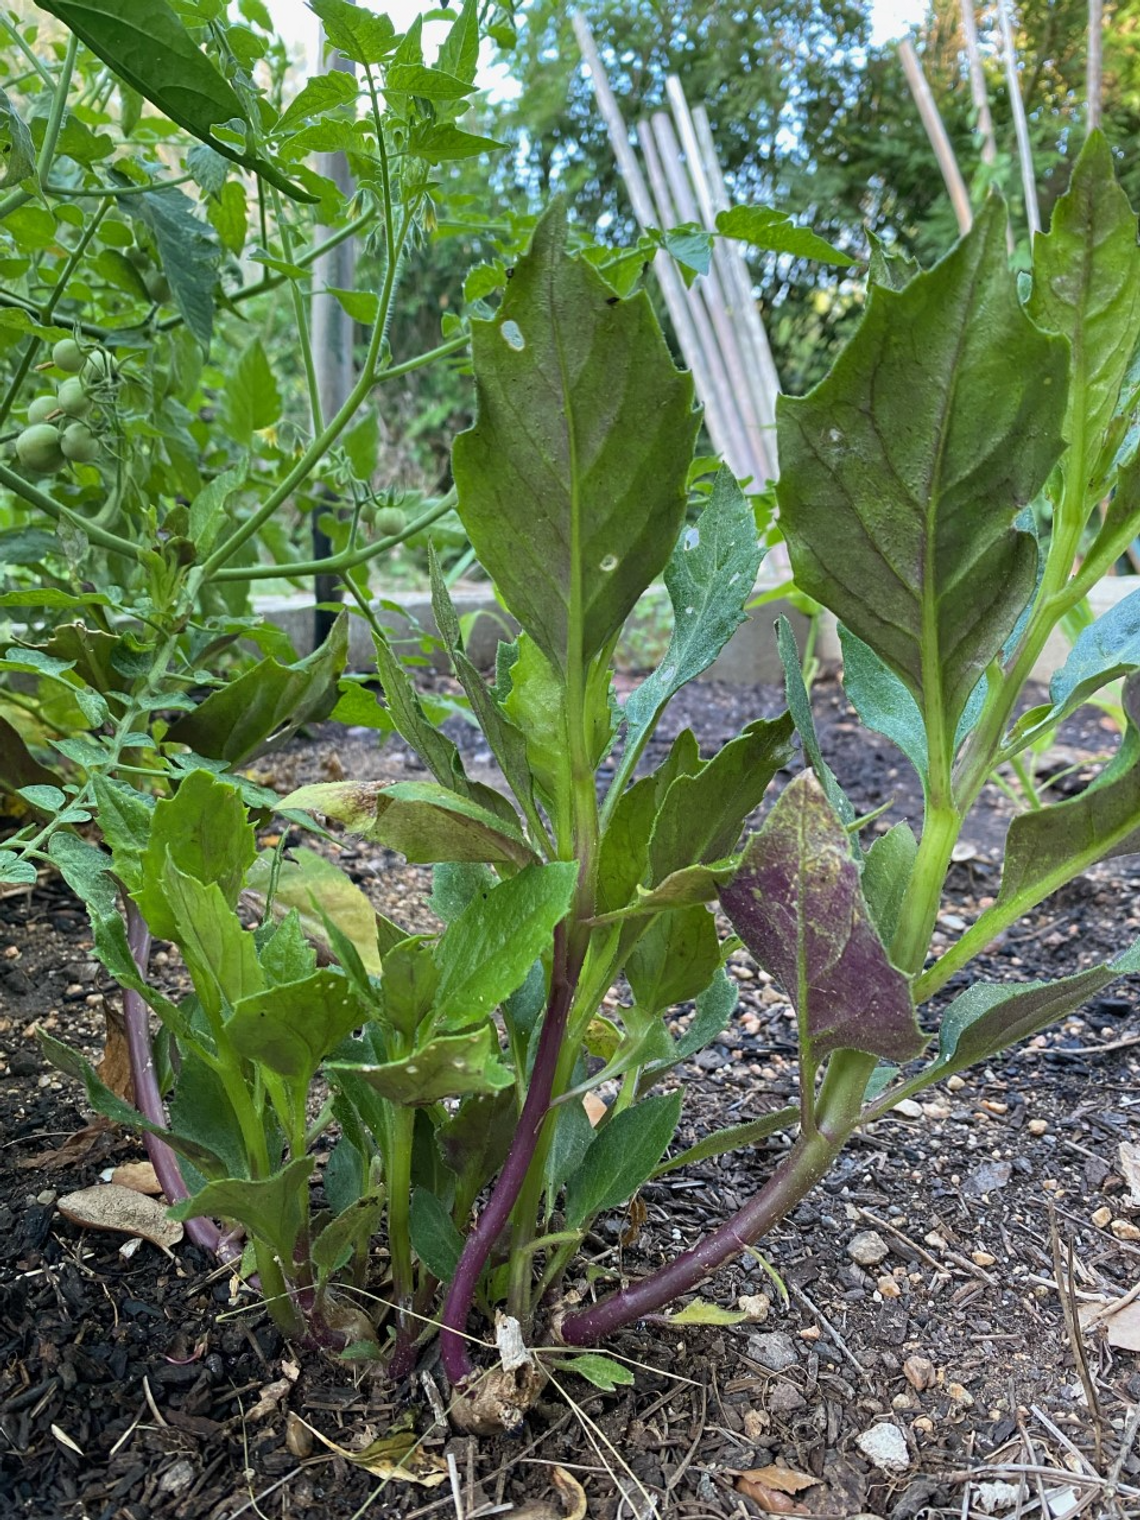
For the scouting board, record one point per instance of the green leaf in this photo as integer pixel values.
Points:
(1086, 286)
(1104, 650)
(902, 472)
(87, 871)
(17, 151)
(622, 1157)
(486, 953)
(150, 49)
(435, 1240)
(797, 904)
(602, 1371)
(459, 53)
(188, 251)
(775, 232)
(350, 1228)
(360, 305)
(698, 1312)
(204, 830)
(124, 819)
(681, 889)
(274, 1209)
(888, 265)
(887, 870)
(444, 142)
(988, 1018)
(734, 1138)
(320, 892)
(291, 1028)
(1049, 846)
(421, 819)
(691, 246)
(799, 705)
(283, 950)
(507, 741)
(410, 981)
(883, 702)
(359, 34)
(572, 480)
(673, 960)
(428, 84)
(252, 398)
(220, 955)
(323, 92)
(16, 871)
(709, 577)
(209, 511)
(446, 1067)
(228, 216)
(702, 814)
(267, 704)
(111, 1106)
(475, 1140)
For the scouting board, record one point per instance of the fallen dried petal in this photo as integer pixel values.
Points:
(122, 1210)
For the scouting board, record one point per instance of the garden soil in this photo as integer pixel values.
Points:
(922, 1293)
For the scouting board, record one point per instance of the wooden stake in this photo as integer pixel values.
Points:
(1021, 126)
(1094, 71)
(936, 132)
(978, 89)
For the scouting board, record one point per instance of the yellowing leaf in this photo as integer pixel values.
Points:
(701, 1313)
(398, 1457)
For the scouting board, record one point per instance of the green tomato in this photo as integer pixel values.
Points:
(389, 521)
(157, 286)
(67, 356)
(41, 409)
(73, 398)
(99, 367)
(38, 448)
(79, 444)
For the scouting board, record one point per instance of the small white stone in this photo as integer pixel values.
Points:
(868, 1248)
(885, 1446)
(908, 1108)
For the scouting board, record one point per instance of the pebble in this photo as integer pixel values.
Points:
(955, 1083)
(775, 1351)
(888, 1287)
(1102, 1218)
(959, 1395)
(784, 1398)
(919, 1373)
(885, 1446)
(982, 1258)
(178, 1477)
(1124, 1229)
(908, 1108)
(868, 1248)
(1037, 1126)
(755, 1305)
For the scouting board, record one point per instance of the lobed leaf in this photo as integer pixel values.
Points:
(901, 473)
(571, 481)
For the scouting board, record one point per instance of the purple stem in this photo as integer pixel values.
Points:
(807, 1161)
(452, 1346)
(148, 1099)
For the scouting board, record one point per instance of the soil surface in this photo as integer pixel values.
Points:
(148, 1386)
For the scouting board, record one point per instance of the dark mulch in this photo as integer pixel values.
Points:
(135, 1388)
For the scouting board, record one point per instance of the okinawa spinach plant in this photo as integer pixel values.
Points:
(905, 481)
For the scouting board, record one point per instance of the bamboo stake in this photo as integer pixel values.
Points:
(936, 132)
(1021, 126)
(331, 332)
(707, 296)
(740, 306)
(978, 89)
(771, 380)
(719, 402)
(672, 289)
(1094, 71)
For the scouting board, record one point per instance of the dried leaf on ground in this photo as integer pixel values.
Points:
(785, 1479)
(122, 1210)
(139, 1176)
(1121, 1326)
(77, 1148)
(773, 1500)
(399, 1457)
(1130, 1168)
(698, 1312)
